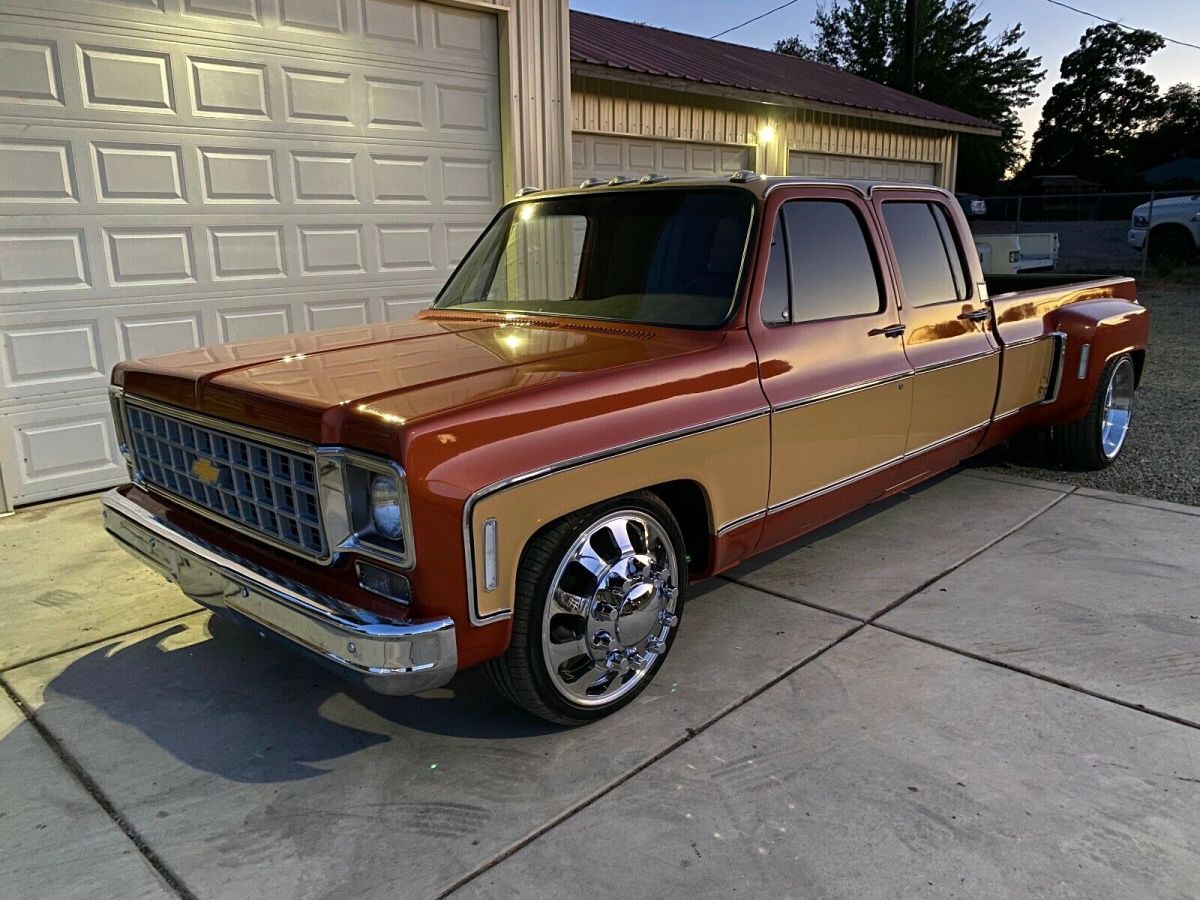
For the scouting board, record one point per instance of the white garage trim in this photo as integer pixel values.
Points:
(600, 155)
(833, 165)
(184, 172)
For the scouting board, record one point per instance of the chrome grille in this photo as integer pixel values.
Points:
(267, 490)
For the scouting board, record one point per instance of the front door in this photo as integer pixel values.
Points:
(948, 333)
(831, 354)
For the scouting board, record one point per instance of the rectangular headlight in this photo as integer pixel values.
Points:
(1141, 221)
(365, 505)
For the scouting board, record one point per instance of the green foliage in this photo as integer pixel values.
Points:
(1175, 130)
(1095, 114)
(957, 65)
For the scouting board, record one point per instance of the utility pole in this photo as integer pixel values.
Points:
(910, 46)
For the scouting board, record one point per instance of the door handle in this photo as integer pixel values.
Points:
(976, 315)
(889, 331)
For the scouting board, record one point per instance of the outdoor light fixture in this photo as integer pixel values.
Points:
(766, 134)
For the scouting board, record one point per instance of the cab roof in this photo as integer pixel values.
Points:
(749, 181)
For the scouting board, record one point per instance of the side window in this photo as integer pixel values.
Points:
(776, 301)
(953, 255)
(833, 271)
(931, 266)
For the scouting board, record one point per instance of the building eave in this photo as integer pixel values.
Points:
(707, 89)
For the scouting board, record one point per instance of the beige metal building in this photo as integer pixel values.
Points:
(176, 173)
(647, 99)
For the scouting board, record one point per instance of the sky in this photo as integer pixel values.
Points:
(1051, 31)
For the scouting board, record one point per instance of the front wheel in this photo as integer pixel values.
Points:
(1172, 245)
(1097, 439)
(599, 596)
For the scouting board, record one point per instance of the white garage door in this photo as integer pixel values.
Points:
(827, 165)
(600, 156)
(176, 173)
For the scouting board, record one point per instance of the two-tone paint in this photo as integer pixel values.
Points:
(754, 435)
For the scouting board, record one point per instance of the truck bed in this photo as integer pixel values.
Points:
(1034, 281)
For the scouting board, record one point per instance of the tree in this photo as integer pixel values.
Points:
(957, 65)
(1175, 131)
(1095, 113)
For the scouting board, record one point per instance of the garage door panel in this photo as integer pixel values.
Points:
(188, 172)
(110, 173)
(603, 156)
(47, 352)
(69, 445)
(41, 258)
(48, 357)
(829, 165)
(402, 30)
(37, 171)
(30, 71)
(158, 257)
(151, 334)
(182, 82)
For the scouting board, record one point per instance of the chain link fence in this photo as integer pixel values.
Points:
(1092, 229)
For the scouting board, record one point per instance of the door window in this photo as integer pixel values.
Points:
(931, 266)
(830, 267)
(776, 299)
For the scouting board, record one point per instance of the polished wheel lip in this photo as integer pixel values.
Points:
(606, 658)
(1118, 409)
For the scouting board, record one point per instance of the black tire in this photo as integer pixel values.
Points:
(1033, 447)
(1080, 444)
(1172, 246)
(521, 674)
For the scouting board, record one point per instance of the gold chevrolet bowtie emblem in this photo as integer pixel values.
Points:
(206, 470)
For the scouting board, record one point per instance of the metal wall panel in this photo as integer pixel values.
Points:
(182, 172)
(619, 108)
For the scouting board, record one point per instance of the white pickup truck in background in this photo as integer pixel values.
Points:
(1013, 254)
(1173, 225)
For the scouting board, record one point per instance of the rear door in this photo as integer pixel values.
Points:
(948, 335)
(830, 345)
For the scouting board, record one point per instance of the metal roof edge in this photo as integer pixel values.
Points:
(682, 84)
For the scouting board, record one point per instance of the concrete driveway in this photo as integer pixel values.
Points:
(986, 687)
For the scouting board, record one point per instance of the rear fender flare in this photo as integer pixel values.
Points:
(1106, 328)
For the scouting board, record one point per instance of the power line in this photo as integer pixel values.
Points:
(1074, 9)
(755, 19)
(1084, 12)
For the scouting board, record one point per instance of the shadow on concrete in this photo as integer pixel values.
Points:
(826, 532)
(242, 708)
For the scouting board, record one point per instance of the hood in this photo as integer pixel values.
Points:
(1170, 205)
(361, 386)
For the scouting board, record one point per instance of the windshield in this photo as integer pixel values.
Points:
(662, 256)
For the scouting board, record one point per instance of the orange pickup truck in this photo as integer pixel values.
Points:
(622, 389)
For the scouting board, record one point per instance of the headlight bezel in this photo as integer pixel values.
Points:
(346, 479)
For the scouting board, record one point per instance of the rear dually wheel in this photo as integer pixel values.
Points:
(1096, 440)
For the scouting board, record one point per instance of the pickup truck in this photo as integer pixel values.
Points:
(1012, 254)
(622, 389)
(1173, 226)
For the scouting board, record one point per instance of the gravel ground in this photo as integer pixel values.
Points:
(1162, 456)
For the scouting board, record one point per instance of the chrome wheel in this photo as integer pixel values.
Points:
(1117, 410)
(611, 608)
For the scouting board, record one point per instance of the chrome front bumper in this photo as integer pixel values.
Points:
(386, 656)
